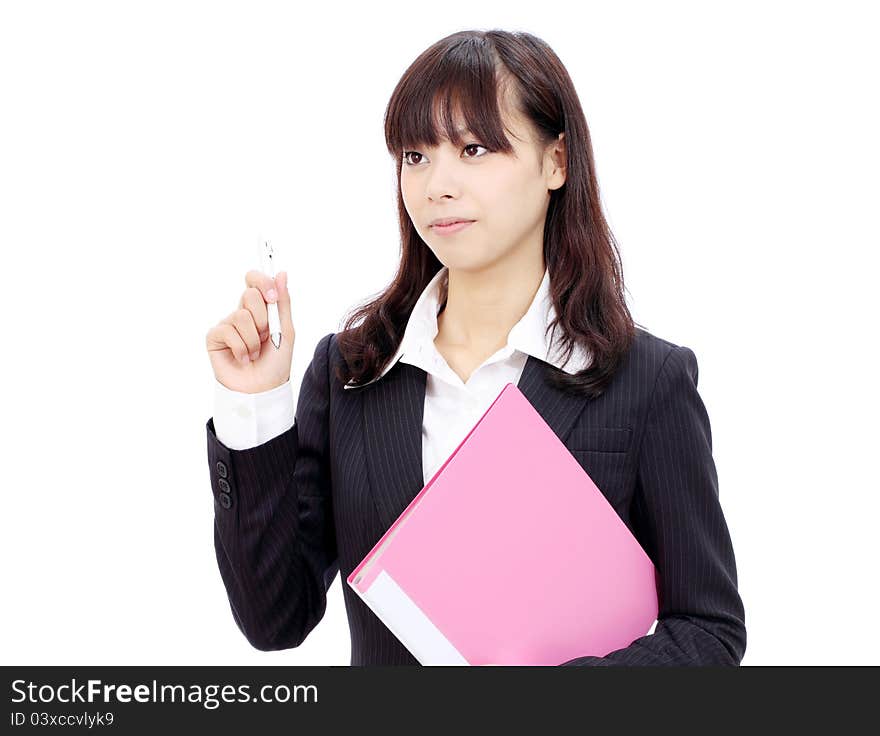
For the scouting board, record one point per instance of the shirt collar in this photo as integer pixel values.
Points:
(527, 335)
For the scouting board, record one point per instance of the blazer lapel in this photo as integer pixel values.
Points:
(394, 407)
(393, 413)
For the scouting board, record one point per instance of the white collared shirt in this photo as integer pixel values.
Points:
(452, 407)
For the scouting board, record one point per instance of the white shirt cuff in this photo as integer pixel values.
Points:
(243, 420)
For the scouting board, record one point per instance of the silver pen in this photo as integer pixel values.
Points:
(274, 320)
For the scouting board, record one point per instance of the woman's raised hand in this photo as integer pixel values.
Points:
(239, 346)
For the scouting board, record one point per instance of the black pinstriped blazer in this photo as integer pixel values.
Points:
(293, 512)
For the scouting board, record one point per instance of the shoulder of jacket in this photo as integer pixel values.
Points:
(664, 355)
(653, 346)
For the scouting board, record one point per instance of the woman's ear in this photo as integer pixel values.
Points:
(555, 163)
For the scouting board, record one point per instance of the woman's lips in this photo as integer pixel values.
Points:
(453, 228)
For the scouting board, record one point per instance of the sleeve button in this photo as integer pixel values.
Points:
(221, 468)
(224, 485)
(225, 500)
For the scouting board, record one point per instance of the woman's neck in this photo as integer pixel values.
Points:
(482, 307)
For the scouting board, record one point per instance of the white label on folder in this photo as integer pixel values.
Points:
(409, 623)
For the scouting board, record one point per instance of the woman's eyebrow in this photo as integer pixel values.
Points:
(461, 130)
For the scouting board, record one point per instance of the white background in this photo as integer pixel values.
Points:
(143, 148)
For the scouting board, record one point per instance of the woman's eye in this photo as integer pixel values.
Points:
(474, 145)
(409, 162)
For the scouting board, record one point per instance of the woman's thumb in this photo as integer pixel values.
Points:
(284, 305)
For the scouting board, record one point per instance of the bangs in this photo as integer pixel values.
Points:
(445, 95)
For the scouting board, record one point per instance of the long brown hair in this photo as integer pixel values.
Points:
(467, 71)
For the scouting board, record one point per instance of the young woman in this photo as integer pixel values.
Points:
(487, 130)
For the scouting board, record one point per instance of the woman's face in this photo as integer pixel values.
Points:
(505, 194)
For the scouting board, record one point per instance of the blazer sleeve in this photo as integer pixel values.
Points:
(678, 520)
(274, 534)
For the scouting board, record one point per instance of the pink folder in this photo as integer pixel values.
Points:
(510, 554)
